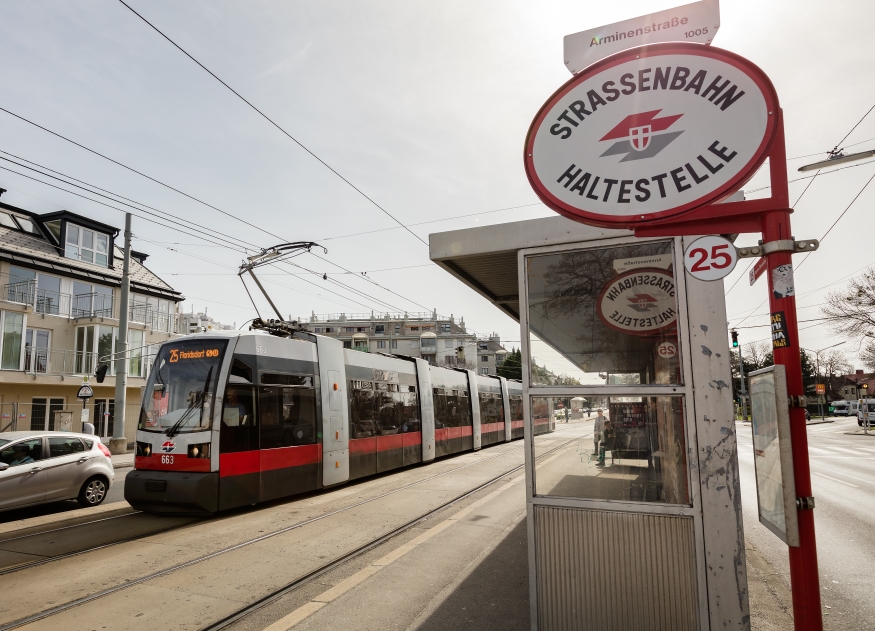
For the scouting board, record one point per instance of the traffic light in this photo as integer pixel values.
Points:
(101, 372)
(734, 339)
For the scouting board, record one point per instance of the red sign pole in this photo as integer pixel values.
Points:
(804, 576)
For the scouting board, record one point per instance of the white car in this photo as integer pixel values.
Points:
(41, 467)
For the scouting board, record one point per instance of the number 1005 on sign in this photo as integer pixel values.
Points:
(710, 258)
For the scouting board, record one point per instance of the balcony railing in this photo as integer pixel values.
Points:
(84, 305)
(46, 361)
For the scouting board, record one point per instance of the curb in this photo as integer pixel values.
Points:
(122, 465)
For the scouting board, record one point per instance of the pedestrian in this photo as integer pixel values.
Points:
(598, 431)
(566, 414)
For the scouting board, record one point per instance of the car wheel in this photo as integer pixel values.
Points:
(93, 492)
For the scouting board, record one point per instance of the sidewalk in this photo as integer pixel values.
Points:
(123, 461)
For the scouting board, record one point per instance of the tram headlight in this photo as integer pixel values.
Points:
(201, 450)
(144, 449)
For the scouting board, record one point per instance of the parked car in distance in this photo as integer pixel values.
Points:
(42, 467)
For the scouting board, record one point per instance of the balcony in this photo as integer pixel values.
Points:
(93, 305)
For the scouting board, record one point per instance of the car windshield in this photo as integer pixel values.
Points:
(3, 441)
(182, 386)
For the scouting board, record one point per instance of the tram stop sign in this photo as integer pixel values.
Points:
(651, 133)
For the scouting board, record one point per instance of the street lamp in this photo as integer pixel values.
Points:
(817, 369)
(836, 157)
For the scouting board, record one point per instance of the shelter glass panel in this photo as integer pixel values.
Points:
(633, 450)
(605, 316)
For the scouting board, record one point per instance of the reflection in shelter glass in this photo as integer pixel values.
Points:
(604, 316)
(626, 448)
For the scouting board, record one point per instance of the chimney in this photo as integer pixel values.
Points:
(859, 373)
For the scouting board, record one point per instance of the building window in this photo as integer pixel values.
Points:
(397, 329)
(414, 328)
(318, 329)
(87, 245)
(42, 413)
(381, 343)
(428, 342)
(347, 344)
(328, 329)
(379, 329)
(483, 371)
(394, 343)
(484, 358)
(10, 341)
(445, 328)
(448, 344)
(361, 329)
(481, 346)
(349, 329)
(135, 350)
(104, 415)
(91, 300)
(36, 350)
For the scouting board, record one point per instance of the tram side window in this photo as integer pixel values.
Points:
(410, 421)
(239, 428)
(464, 408)
(288, 416)
(361, 407)
(388, 412)
(516, 407)
(440, 408)
(491, 410)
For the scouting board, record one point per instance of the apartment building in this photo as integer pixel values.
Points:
(200, 322)
(440, 340)
(60, 284)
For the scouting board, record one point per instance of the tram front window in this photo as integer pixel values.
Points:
(182, 387)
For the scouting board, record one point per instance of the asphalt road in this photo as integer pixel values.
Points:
(116, 494)
(843, 478)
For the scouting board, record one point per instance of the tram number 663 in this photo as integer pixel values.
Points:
(166, 459)
(710, 258)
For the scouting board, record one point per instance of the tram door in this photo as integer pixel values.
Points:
(426, 409)
(627, 518)
(505, 402)
(475, 408)
(335, 411)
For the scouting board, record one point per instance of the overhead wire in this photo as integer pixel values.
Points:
(272, 122)
(140, 173)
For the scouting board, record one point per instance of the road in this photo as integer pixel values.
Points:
(116, 494)
(843, 477)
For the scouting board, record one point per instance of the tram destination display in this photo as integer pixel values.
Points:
(651, 133)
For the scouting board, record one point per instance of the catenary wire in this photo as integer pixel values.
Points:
(140, 173)
(271, 121)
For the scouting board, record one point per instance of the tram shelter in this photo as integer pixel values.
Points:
(643, 528)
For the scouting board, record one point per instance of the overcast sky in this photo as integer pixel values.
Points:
(423, 106)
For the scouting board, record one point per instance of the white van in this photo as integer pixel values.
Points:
(853, 408)
(866, 409)
(840, 408)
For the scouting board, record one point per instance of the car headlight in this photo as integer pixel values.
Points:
(144, 449)
(201, 450)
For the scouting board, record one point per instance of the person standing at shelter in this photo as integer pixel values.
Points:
(598, 431)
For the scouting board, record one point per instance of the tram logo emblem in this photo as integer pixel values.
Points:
(168, 446)
(639, 137)
(642, 303)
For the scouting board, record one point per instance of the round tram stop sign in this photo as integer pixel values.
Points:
(651, 133)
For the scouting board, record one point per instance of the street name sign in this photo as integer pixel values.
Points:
(757, 270)
(651, 133)
(710, 258)
(694, 22)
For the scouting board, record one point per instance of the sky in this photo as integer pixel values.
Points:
(424, 107)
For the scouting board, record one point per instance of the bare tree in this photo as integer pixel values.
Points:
(834, 362)
(867, 356)
(756, 353)
(851, 311)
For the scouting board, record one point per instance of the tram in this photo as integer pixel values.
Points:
(234, 418)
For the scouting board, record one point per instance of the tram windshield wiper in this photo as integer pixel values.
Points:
(197, 401)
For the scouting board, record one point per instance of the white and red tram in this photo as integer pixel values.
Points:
(234, 418)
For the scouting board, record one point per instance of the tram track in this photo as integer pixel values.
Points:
(241, 613)
(47, 613)
(31, 564)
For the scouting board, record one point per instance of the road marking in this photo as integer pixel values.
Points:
(304, 611)
(850, 476)
(835, 480)
(848, 451)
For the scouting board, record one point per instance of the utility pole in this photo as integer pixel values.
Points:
(118, 444)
